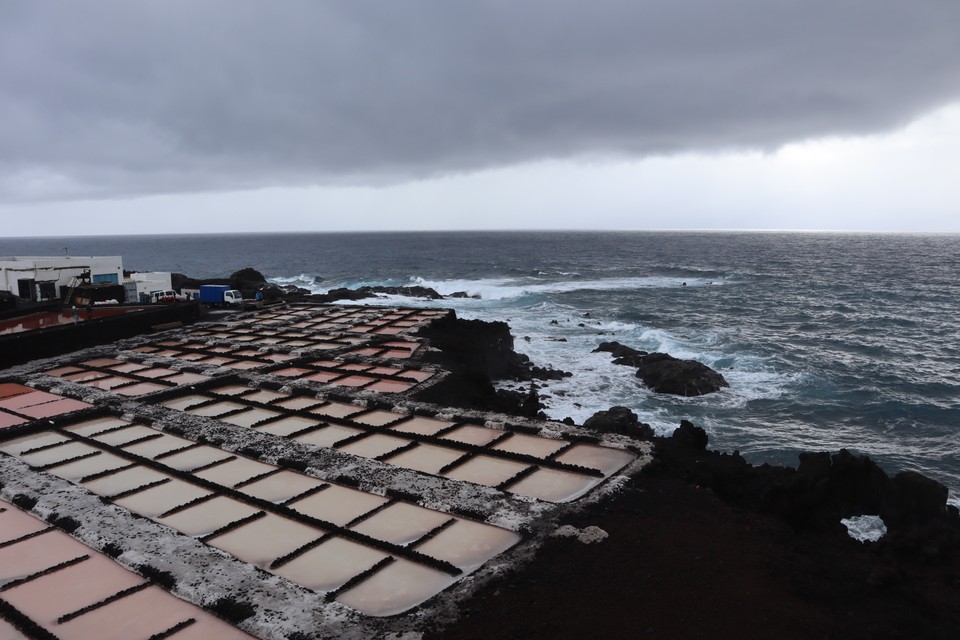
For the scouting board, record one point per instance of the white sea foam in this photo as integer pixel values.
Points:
(865, 528)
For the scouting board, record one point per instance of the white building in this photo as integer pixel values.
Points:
(40, 277)
(147, 282)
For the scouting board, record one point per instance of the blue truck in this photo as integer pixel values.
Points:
(219, 294)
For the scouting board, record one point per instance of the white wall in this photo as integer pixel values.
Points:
(59, 270)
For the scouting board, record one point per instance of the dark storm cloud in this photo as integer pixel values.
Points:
(138, 97)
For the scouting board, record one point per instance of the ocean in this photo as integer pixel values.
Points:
(828, 340)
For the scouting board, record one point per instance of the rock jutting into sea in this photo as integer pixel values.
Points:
(665, 374)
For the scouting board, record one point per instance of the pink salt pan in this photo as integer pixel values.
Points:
(467, 544)
(160, 499)
(327, 436)
(486, 470)
(57, 454)
(374, 445)
(91, 427)
(208, 516)
(262, 541)
(123, 481)
(530, 445)
(396, 588)
(15, 523)
(121, 437)
(137, 616)
(330, 565)
(338, 505)
(234, 472)
(401, 523)
(249, 417)
(82, 468)
(390, 386)
(298, 402)
(471, 434)
(286, 426)
(337, 410)
(554, 485)
(38, 553)
(157, 446)
(604, 459)
(55, 408)
(280, 486)
(10, 420)
(377, 418)
(422, 425)
(425, 457)
(194, 458)
(64, 591)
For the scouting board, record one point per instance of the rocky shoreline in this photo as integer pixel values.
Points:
(702, 544)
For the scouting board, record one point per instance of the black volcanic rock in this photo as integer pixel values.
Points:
(619, 420)
(343, 293)
(665, 374)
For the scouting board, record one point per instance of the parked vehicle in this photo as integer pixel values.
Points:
(163, 297)
(219, 294)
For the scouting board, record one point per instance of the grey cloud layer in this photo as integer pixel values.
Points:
(136, 97)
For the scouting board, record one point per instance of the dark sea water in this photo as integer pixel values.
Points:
(827, 340)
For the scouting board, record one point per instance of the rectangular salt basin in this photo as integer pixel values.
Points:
(89, 428)
(160, 499)
(153, 448)
(139, 615)
(264, 540)
(140, 389)
(467, 544)
(327, 436)
(89, 466)
(603, 459)
(265, 395)
(55, 408)
(19, 445)
(337, 410)
(194, 458)
(86, 376)
(486, 470)
(208, 516)
(377, 418)
(57, 454)
(186, 377)
(64, 591)
(401, 523)
(395, 588)
(425, 457)
(280, 486)
(330, 565)
(182, 403)
(298, 402)
(216, 409)
(38, 553)
(422, 425)
(249, 417)
(554, 485)
(29, 398)
(123, 436)
(472, 434)
(124, 480)
(15, 523)
(337, 504)
(285, 426)
(530, 445)
(390, 386)
(231, 390)
(374, 445)
(10, 420)
(235, 471)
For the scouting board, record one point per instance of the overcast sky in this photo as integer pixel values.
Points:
(180, 116)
